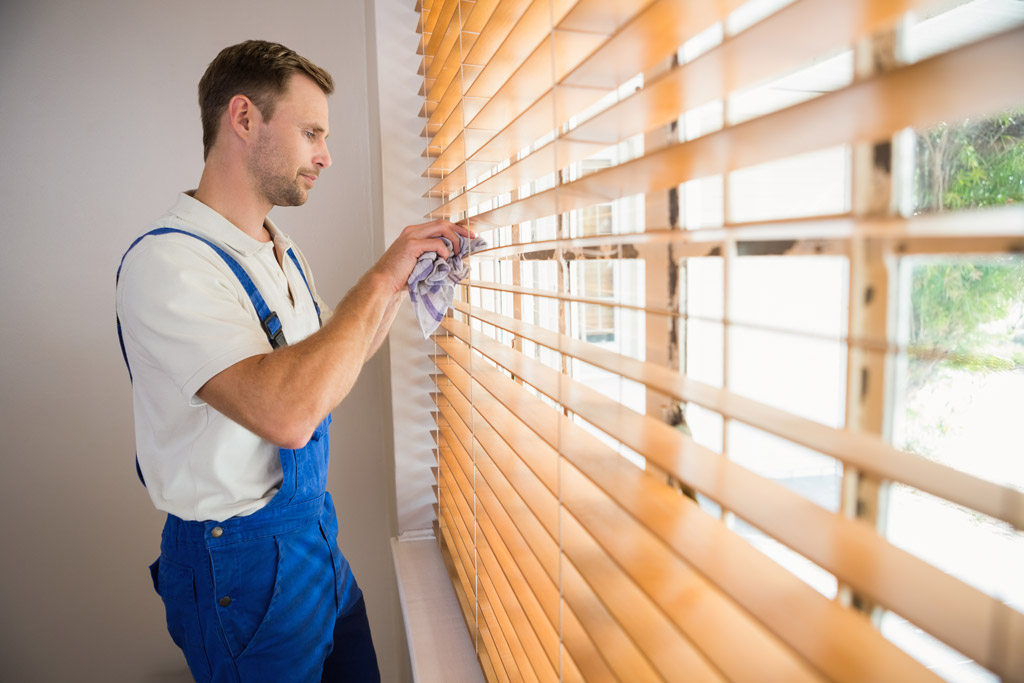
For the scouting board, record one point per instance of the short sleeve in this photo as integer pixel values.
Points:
(183, 312)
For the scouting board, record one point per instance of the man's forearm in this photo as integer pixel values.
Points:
(385, 324)
(283, 395)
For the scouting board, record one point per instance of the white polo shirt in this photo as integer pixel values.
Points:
(184, 318)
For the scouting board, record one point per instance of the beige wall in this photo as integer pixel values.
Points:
(403, 186)
(100, 130)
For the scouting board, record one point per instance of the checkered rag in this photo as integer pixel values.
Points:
(433, 279)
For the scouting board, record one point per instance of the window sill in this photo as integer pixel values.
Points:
(440, 648)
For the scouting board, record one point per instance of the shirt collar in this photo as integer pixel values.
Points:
(214, 226)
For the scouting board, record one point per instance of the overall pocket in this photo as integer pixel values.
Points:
(329, 534)
(175, 584)
(299, 621)
(245, 579)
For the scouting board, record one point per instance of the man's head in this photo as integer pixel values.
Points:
(257, 69)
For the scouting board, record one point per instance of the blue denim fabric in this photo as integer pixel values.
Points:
(257, 598)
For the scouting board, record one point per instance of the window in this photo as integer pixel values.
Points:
(697, 363)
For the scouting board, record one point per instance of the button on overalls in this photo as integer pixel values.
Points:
(259, 597)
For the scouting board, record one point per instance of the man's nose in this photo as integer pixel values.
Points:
(323, 159)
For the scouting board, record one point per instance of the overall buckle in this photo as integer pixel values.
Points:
(275, 332)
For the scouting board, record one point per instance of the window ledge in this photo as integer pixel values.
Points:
(440, 648)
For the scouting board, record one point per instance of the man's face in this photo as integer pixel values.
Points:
(291, 149)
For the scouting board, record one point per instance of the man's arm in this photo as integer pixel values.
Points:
(283, 395)
(385, 324)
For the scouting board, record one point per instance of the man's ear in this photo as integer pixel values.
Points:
(242, 115)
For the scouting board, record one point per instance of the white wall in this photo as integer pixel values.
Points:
(403, 187)
(100, 130)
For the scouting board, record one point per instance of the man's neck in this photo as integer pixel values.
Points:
(233, 197)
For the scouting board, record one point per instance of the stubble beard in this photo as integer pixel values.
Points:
(277, 188)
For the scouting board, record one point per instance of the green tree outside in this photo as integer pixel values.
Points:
(966, 312)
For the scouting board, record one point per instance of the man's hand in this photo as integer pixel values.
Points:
(397, 263)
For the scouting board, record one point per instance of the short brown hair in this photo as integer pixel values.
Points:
(257, 69)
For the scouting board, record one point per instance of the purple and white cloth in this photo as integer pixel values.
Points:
(433, 279)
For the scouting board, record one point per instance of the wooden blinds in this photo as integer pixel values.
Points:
(680, 398)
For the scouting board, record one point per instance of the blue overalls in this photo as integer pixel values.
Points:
(268, 596)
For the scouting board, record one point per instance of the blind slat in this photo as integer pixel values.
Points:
(740, 647)
(439, 26)
(865, 451)
(618, 651)
(460, 560)
(743, 60)
(865, 344)
(578, 640)
(504, 603)
(461, 554)
(1004, 225)
(532, 29)
(461, 517)
(481, 14)
(524, 483)
(447, 43)
(490, 31)
(509, 649)
(491, 97)
(473, 22)
(540, 634)
(667, 652)
(496, 29)
(745, 652)
(577, 92)
(490, 634)
(653, 634)
(541, 583)
(487, 643)
(429, 22)
(601, 627)
(532, 550)
(527, 84)
(990, 83)
(831, 541)
(827, 635)
(544, 548)
(456, 573)
(493, 39)
(525, 650)
(445, 75)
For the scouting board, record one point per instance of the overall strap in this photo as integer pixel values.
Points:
(295, 260)
(268, 318)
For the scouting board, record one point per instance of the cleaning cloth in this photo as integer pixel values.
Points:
(433, 279)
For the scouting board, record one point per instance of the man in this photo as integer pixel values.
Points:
(236, 366)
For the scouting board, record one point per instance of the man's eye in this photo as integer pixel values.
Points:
(309, 134)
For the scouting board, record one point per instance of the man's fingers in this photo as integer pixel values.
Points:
(431, 233)
(437, 227)
(417, 226)
(435, 244)
(428, 225)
